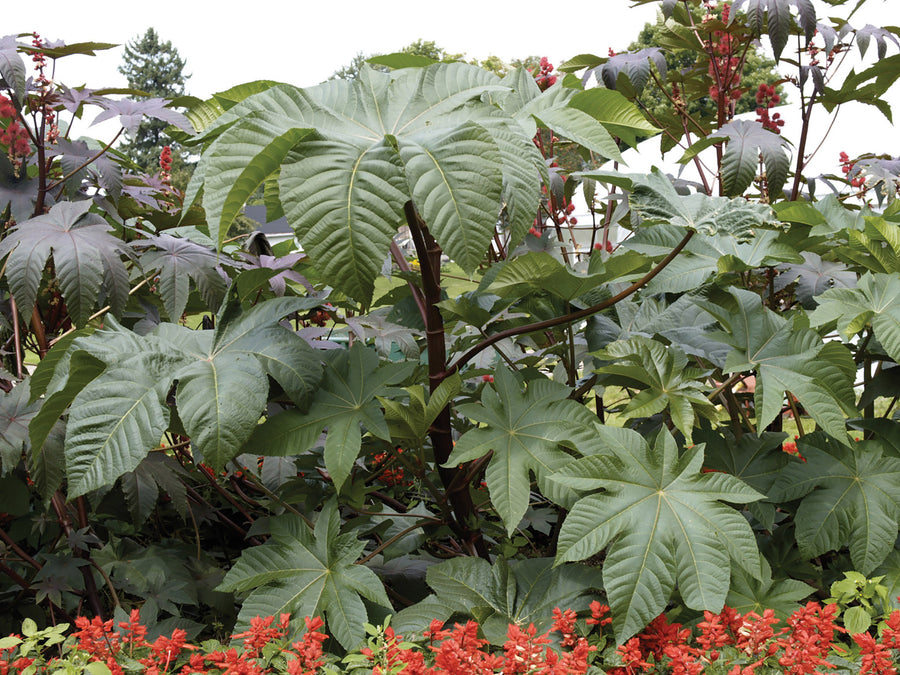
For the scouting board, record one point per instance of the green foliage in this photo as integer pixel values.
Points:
(661, 521)
(308, 573)
(496, 595)
(522, 432)
(345, 399)
(849, 495)
(544, 407)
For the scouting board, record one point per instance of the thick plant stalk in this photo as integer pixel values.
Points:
(429, 254)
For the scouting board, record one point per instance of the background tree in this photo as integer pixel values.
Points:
(154, 67)
(426, 48)
(429, 49)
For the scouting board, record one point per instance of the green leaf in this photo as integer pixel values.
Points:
(875, 301)
(412, 420)
(521, 592)
(579, 126)
(746, 141)
(345, 399)
(12, 67)
(222, 389)
(890, 569)
(142, 486)
(814, 276)
(455, 180)
(868, 87)
(308, 574)
(116, 420)
(80, 370)
(662, 523)
(523, 431)
(220, 399)
(15, 415)
(244, 156)
(85, 257)
(538, 271)
(756, 460)
(663, 378)
(850, 497)
(856, 620)
(400, 60)
(617, 114)
(431, 135)
(706, 255)
(778, 15)
(176, 262)
(754, 595)
(345, 202)
(786, 358)
(655, 199)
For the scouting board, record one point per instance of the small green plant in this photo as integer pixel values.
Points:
(863, 602)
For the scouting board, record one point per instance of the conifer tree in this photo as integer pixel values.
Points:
(156, 68)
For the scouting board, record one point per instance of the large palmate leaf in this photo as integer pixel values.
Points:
(754, 595)
(635, 66)
(15, 415)
(85, 255)
(176, 262)
(875, 246)
(875, 301)
(12, 67)
(851, 497)
(523, 431)
(656, 201)
(142, 486)
(375, 138)
(662, 523)
(664, 381)
(308, 574)
(349, 155)
(756, 460)
(746, 141)
(411, 421)
(814, 276)
(345, 399)
(683, 323)
(786, 357)
(775, 15)
(538, 271)
(705, 255)
(521, 592)
(119, 392)
(130, 113)
(116, 419)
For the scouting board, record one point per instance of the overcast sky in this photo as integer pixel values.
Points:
(303, 42)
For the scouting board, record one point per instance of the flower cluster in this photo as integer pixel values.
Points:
(724, 63)
(543, 77)
(767, 97)
(726, 642)
(752, 644)
(165, 164)
(389, 475)
(44, 86)
(790, 447)
(857, 180)
(12, 133)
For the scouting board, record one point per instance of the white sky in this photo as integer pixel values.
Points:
(303, 42)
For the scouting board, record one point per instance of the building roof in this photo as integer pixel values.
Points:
(258, 213)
